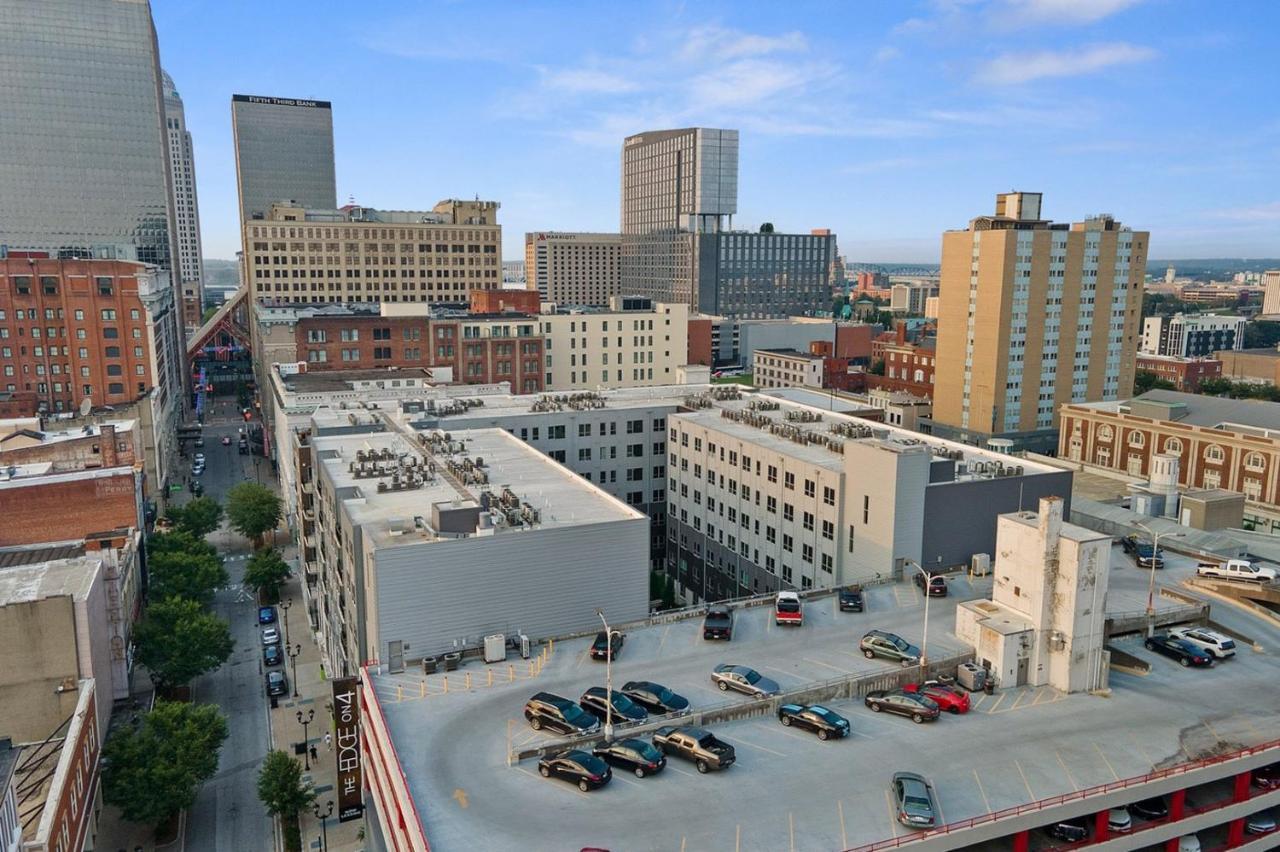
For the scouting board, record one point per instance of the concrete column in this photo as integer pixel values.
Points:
(1101, 829)
(1235, 833)
(1177, 804)
(1022, 841)
(1240, 792)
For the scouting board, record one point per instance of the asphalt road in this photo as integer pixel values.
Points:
(227, 816)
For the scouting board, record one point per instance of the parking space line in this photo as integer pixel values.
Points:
(1021, 695)
(663, 641)
(618, 777)
(827, 665)
(1212, 731)
(786, 732)
(844, 840)
(1025, 782)
(983, 700)
(681, 771)
(982, 790)
(791, 827)
(737, 838)
(998, 702)
(1063, 764)
(762, 748)
(572, 788)
(1098, 748)
(893, 821)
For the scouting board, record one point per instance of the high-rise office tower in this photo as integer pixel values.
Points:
(1032, 315)
(186, 209)
(679, 194)
(83, 165)
(284, 152)
(573, 268)
(675, 183)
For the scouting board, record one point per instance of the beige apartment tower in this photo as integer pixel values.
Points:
(1033, 315)
(359, 254)
(573, 268)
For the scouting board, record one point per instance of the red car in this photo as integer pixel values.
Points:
(949, 698)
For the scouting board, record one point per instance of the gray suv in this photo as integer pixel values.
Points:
(890, 646)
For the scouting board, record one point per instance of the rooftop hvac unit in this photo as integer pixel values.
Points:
(980, 564)
(495, 648)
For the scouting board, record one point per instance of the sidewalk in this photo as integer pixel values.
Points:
(314, 693)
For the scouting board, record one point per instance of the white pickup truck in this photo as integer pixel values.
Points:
(1238, 569)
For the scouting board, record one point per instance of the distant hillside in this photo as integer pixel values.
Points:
(221, 273)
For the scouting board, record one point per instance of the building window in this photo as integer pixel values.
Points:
(1137, 439)
(1255, 461)
(1105, 432)
(1173, 445)
(1213, 453)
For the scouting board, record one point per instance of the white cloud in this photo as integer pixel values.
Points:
(1066, 12)
(751, 81)
(587, 80)
(712, 42)
(1269, 212)
(1014, 68)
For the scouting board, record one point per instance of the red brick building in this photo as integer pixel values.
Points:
(1185, 373)
(907, 366)
(700, 351)
(70, 330)
(88, 447)
(41, 505)
(505, 302)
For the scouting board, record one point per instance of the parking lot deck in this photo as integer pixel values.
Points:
(788, 790)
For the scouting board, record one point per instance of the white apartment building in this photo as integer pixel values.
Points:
(786, 368)
(573, 268)
(633, 343)
(911, 298)
(1191, 335)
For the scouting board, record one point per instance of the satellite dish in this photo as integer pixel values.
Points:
(86, 405)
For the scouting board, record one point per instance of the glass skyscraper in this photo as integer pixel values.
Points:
(284, 152)
(83, 161)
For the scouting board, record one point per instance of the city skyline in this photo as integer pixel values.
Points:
(1154, 101)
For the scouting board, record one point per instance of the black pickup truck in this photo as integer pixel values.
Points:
(695, 744)
(718, 623)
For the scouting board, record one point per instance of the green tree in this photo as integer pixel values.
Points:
(177, 641)
(265, 573)
(1261, 335)
(669, 593)
(153, 770)
(179, 541)
(766, 228)
(193, 576)
(284, 793)
(877, 367)
(1145, 380)
(199, 517)
(655, 586)
(253, 510)
(207, 315)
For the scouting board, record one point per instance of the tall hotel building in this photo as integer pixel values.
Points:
(573, 268)
(679, 194)
(189, 271)
(1034, 315)
(284, 152)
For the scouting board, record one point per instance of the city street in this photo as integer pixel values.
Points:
(227, 815)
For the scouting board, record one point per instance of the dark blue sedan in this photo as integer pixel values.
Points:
(266, 615)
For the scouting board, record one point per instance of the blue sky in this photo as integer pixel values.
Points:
(885, 121)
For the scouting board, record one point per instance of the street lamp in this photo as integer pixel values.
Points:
(323, 816)
(1151, 585)
(608, 676)
(304, 721)
(294, 653)
(924, 641)
(284, 608)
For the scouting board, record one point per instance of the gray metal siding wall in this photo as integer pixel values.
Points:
(960, 517)
(544, 582)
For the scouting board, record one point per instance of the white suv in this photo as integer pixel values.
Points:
(1215, 643)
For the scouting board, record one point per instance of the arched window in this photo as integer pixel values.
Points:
(1255, 461)
(1137, 439)
(919, 377)
(1105, 432)
(1173, 445)
(1214, 453)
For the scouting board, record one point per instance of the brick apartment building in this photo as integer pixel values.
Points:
(27, 441)
(1185, 373)
(908, 366)
(37, 500)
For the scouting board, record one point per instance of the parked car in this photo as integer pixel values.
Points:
(266, 615)
(635, 756)
(579, 767)
(196, 488)
(1188, 843)
(937, 584)
(1178, 649)
(827, 724)
(1260, 823)
(1238, 569)
(1119, 821)
(277, 683)
(1216, 644)
(1143, 552)
(270, 636)
(918, 707)
(199, 443)
(1071, 830)
(697, 745)
(743, 679)
(546, 710)
(244, 448)
(718, 623)
(1268, 777)
(596, 701)
(913, 800)
(199, 457)
(654, 697)
(600, 649)
(787, 610)
(272, 655)
(1153, 808)
(851, 599)
(952, 699)
(890, 646)
(226, 440)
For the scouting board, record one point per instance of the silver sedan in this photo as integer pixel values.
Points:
(743, 679)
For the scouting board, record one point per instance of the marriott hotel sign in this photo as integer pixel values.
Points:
(293, 102)
(346, 740)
